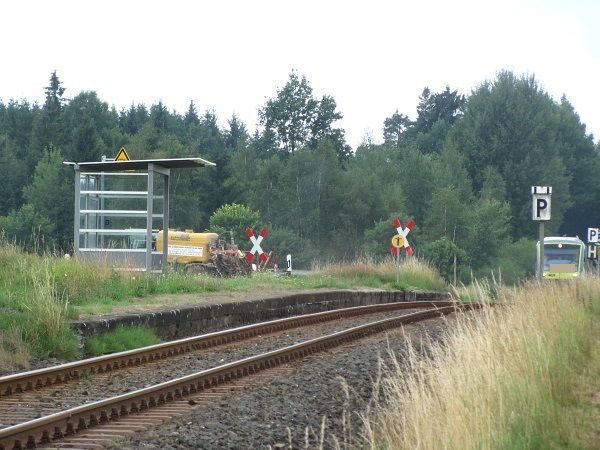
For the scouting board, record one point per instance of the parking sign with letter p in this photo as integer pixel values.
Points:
(541, 202)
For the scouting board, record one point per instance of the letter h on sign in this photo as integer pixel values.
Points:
(541, 202)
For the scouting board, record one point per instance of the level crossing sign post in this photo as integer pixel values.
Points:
(541, 196)
(256, 248)
(399, 241)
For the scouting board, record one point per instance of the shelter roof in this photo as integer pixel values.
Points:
(141, 164)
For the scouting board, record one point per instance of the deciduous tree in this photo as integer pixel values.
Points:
(296, 118)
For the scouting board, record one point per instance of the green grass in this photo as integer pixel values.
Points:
(121, 339)
(145, 292)
(38, 313)
(40, 294)
(93, 288)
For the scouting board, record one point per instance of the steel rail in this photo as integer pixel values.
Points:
(39, 378)
(66, 423)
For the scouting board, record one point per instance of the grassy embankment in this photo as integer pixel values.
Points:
(522, 375)
(40, 294)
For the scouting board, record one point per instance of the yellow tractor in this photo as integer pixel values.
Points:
(203, 253)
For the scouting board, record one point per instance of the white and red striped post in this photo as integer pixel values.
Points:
(397, 224)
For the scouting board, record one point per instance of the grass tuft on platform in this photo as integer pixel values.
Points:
(412, 273)
(121, 339)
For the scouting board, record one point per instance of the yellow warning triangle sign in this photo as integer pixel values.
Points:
(122, 155)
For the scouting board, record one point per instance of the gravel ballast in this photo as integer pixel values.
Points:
(100, 386)
(328, 390)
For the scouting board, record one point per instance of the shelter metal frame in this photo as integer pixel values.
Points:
(98, 171)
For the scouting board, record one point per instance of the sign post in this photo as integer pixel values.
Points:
(288, 267)
(541, 196)
(399, 241)
(592, 248)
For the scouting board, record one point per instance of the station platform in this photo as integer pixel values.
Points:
(208, 313)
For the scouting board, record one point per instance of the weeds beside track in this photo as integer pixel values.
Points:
(506, 378)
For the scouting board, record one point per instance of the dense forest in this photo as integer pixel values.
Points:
(462, 169)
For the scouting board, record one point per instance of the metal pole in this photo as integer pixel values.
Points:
(541, 268)
(76, 217)
(102, 203)
(86, 237)
(398, 265)
(149, 212)
(165, 223)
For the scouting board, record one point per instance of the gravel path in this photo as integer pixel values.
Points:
(289, 412)
(88, 389)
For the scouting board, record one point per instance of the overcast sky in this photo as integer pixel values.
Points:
(373, 57)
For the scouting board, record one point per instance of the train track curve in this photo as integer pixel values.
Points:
(117, 415)
(40, 378)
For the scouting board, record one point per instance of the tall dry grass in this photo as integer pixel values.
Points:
(501, 379)
(14, 354)
(414, 273)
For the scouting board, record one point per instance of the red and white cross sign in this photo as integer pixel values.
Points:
(403, 232)
(256, 244)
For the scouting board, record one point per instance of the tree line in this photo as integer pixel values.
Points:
(462, 169)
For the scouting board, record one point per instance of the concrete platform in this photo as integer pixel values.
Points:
(208, 315)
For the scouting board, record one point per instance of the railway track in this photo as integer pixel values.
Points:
(94, 423)
(37, 379)
(30, 395)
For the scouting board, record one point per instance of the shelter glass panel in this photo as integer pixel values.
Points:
(113, 217)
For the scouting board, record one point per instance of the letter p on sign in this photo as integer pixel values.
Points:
(593, 235)
(541, 202)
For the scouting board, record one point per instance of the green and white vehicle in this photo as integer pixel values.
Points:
(563, 257)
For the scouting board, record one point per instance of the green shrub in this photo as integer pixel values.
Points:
(121, 339)
(235, 218)
(284, 241)
(441, 255)
(515, 263)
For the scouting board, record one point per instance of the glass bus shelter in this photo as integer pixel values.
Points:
(119, 208)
